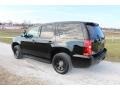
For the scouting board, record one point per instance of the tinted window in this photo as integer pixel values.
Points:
(95, 32)
(70, 30)
(47, 31)
(34, 31)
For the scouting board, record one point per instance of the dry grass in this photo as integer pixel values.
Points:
(10, 33)
(6, 78)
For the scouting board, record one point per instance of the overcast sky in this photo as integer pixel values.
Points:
(106, 16)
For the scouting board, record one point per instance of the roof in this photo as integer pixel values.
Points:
(88, 23)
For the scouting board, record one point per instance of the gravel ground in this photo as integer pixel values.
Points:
(102, 73)
(7, 78)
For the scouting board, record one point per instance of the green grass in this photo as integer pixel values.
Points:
(9, 33)
(113, 50)
(6, 40)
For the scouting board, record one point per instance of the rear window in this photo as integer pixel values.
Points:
(95, 32)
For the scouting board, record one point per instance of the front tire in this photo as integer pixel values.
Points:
(17, 52)
(62, 63)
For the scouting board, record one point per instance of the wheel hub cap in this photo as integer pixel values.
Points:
(61, 63)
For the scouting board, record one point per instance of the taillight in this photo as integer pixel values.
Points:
(87, 48)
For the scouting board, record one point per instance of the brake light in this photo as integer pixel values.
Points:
(87, 48)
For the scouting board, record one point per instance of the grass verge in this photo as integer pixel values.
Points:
(113, 50)
(6, 40)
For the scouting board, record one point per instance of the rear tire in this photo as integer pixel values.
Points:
(62, 63)
(17, 52)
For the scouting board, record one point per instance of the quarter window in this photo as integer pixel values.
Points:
(70, 31)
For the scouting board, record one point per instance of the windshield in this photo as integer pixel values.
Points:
(95, 32)
(70, 31)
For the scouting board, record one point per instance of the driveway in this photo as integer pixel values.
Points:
(102, 73)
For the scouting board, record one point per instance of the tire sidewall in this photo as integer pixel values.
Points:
(65, 58)
(19, 55)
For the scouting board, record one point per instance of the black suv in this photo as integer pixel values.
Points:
(64, 44)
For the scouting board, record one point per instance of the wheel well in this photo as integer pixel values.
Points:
(59, 50)
(14, 44)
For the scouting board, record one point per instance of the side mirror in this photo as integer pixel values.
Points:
(26, 35)
(29, 36)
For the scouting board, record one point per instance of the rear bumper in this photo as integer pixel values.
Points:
(84, 61)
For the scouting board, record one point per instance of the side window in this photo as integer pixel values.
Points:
(47, 31)
(70, 30)
(34, 31)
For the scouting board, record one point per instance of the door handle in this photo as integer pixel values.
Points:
(50, 42)
(33, 41)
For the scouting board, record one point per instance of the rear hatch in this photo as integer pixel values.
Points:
(97, 37)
